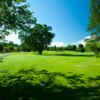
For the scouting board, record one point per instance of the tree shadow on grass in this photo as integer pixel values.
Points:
(71, 55)
(43, 85)
(1, 61)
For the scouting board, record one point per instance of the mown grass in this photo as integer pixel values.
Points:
(51, 76)
(78, 63)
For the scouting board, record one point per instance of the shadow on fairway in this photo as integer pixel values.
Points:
(42, 85)
(1, 61)
(71, 55)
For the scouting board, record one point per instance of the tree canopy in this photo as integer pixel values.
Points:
(39, 37)
(94, 19)
(14, 16)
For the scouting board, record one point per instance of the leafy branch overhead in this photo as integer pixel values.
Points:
(94, 19)
(15, 16)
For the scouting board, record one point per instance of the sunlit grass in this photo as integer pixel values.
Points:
(51, 76)
(64, 62)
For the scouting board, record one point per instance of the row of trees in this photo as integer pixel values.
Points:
(79, 48)
(11, 47)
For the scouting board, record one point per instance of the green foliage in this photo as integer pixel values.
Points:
(9, 46)
(94, 27)
(14, 16)
(94, 45)
(25, 47)
(60, 48)
(74, 47)
(55, 48)
(81, 48)
(63, 48)
(71, 47)
(38, 39)
(94, 19)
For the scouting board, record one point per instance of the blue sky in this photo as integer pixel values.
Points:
(68, 18)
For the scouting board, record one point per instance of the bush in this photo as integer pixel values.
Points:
(11, 49)
(81, 48)
(74, 47)
(69, 47)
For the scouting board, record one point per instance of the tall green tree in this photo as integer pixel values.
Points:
(39, 37)
(14, 16)
(94, 27)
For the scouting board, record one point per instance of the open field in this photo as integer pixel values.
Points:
(51, 76)
(64, 62)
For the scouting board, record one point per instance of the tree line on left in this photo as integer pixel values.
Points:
(15, 17)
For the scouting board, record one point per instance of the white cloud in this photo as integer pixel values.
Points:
(14, 38)
(81, 41)
(58, 44)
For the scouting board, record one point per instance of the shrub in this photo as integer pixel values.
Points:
(69, 47)
(81, 48)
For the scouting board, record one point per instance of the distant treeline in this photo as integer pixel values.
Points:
(79, 48)
(11, 47)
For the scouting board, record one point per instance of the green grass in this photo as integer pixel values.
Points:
(51, 76)
(64, 62)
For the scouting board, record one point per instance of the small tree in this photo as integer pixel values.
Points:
(81, 48)
(74, 47)
(69, 47)
(39, 37)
